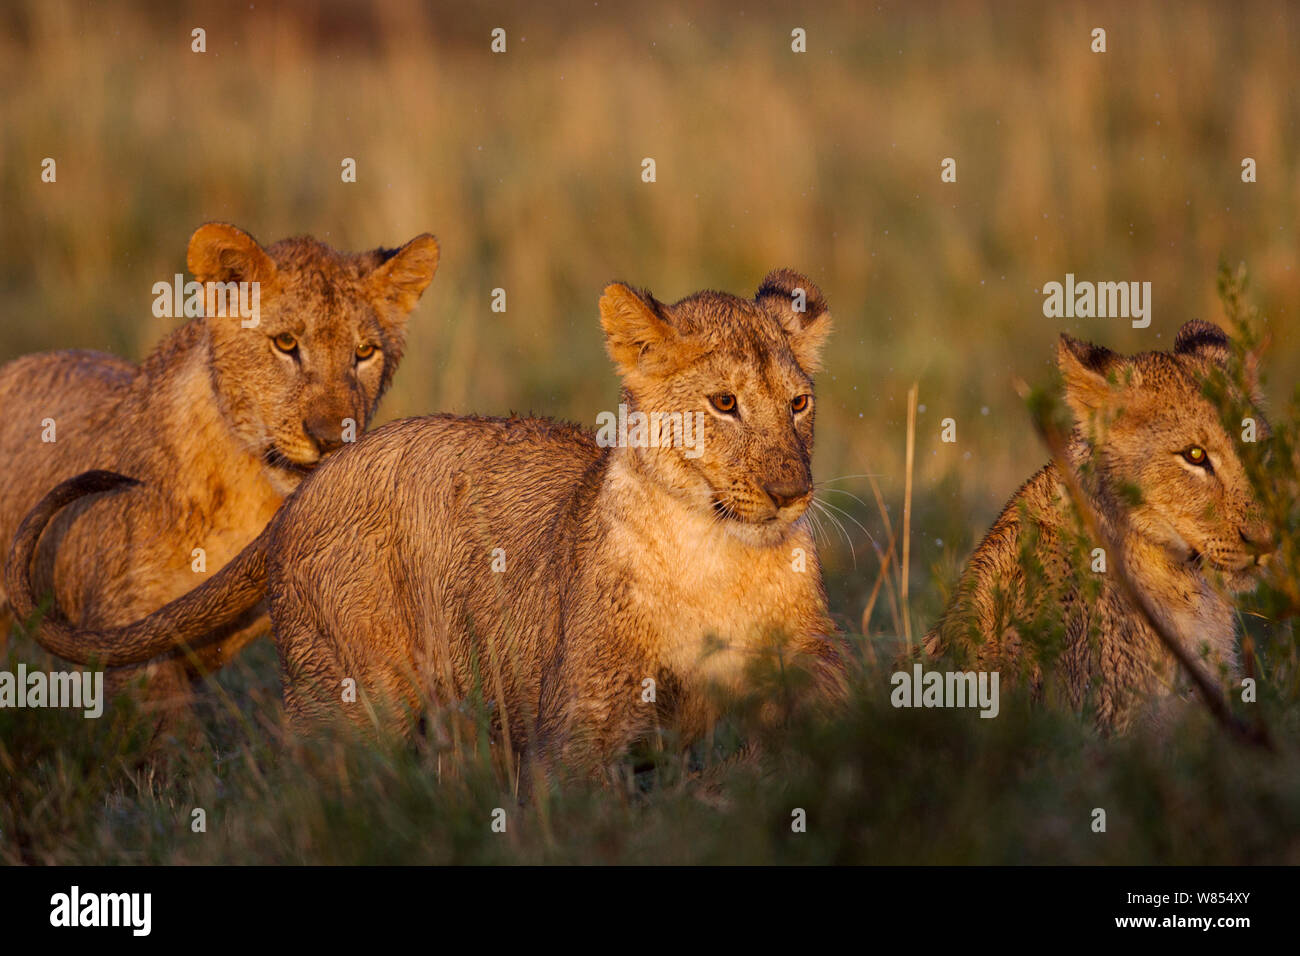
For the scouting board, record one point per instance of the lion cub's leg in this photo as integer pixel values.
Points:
(165, 689)
(164, 692)
(301, 710)
(317, 692)
(327, 683)
(585, 732)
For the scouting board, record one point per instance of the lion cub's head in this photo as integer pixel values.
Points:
(331, 331)
(741, 369)
(1161, 452)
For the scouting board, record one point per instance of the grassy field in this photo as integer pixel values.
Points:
(527, 166)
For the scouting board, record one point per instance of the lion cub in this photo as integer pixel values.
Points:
(522, 556)
(218, 424)
(1163, 476)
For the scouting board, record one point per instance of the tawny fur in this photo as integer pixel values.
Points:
(1194, 537)
(217, 425)
(620, 564)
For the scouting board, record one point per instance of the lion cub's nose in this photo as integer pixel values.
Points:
(786, 493)
(1258, 539)
(326, 433)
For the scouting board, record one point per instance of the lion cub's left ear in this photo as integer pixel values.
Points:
(801, 309)
(404, 274)
(1204, 340)
(1208, 342)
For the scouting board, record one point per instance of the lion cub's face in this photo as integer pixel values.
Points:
(742, 370)
(331, 332)
(1154, 432)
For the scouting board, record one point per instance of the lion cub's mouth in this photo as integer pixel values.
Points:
(274, 457)
(725, 511)
(728, 513)
(1241, 566)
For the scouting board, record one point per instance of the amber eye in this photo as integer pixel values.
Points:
(365, 351)
(800, 403)
(724, 402)
(1196, 455)
(285, 342)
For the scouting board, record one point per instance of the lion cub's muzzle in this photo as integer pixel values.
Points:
(788, 494)
(324, 428)
(1259, 542)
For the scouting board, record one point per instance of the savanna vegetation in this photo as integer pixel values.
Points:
(527, 166)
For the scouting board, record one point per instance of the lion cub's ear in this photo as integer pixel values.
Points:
(801, 309)
(1092, 374)
(404, 274)
(1204, 340)
(638, 336)
(220, 252)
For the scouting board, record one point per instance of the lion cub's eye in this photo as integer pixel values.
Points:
(285, 342)
(724, 402)
(365, 351)
(800, 403)
(1196, 455)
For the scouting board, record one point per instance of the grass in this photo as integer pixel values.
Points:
(1117, 166)
(879, 785)
(875, 785)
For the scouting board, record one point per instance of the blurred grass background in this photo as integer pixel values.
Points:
(1120, 166)
(1117, 166)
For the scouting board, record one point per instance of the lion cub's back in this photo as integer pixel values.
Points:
(404, 535)
(423, 485)
(79, 391)
(534, 458)
(409, 478)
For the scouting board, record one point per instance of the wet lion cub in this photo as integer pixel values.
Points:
(1163, 476)
(217, 424)
(563, 574)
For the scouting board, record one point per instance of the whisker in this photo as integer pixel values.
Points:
(827, 481)
(841, 491)
(838, 524)
(846, 514)
(819, 532)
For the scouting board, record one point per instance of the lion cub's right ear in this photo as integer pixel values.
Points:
(220, 252)
(638, 335)
(1087, 370)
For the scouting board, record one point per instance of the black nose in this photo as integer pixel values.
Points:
(786, 493)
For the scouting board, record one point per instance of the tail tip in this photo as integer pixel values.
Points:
(104, 480)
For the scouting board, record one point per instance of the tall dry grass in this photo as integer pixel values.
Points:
(1123, 165)
(1117, 166)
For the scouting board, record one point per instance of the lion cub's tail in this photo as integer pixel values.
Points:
(215, 604)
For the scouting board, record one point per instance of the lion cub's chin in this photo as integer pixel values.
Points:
(1240, 580)
(285, 475)
(1238, 573)
(761, 534)
(1239, 577)
(283, 482)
